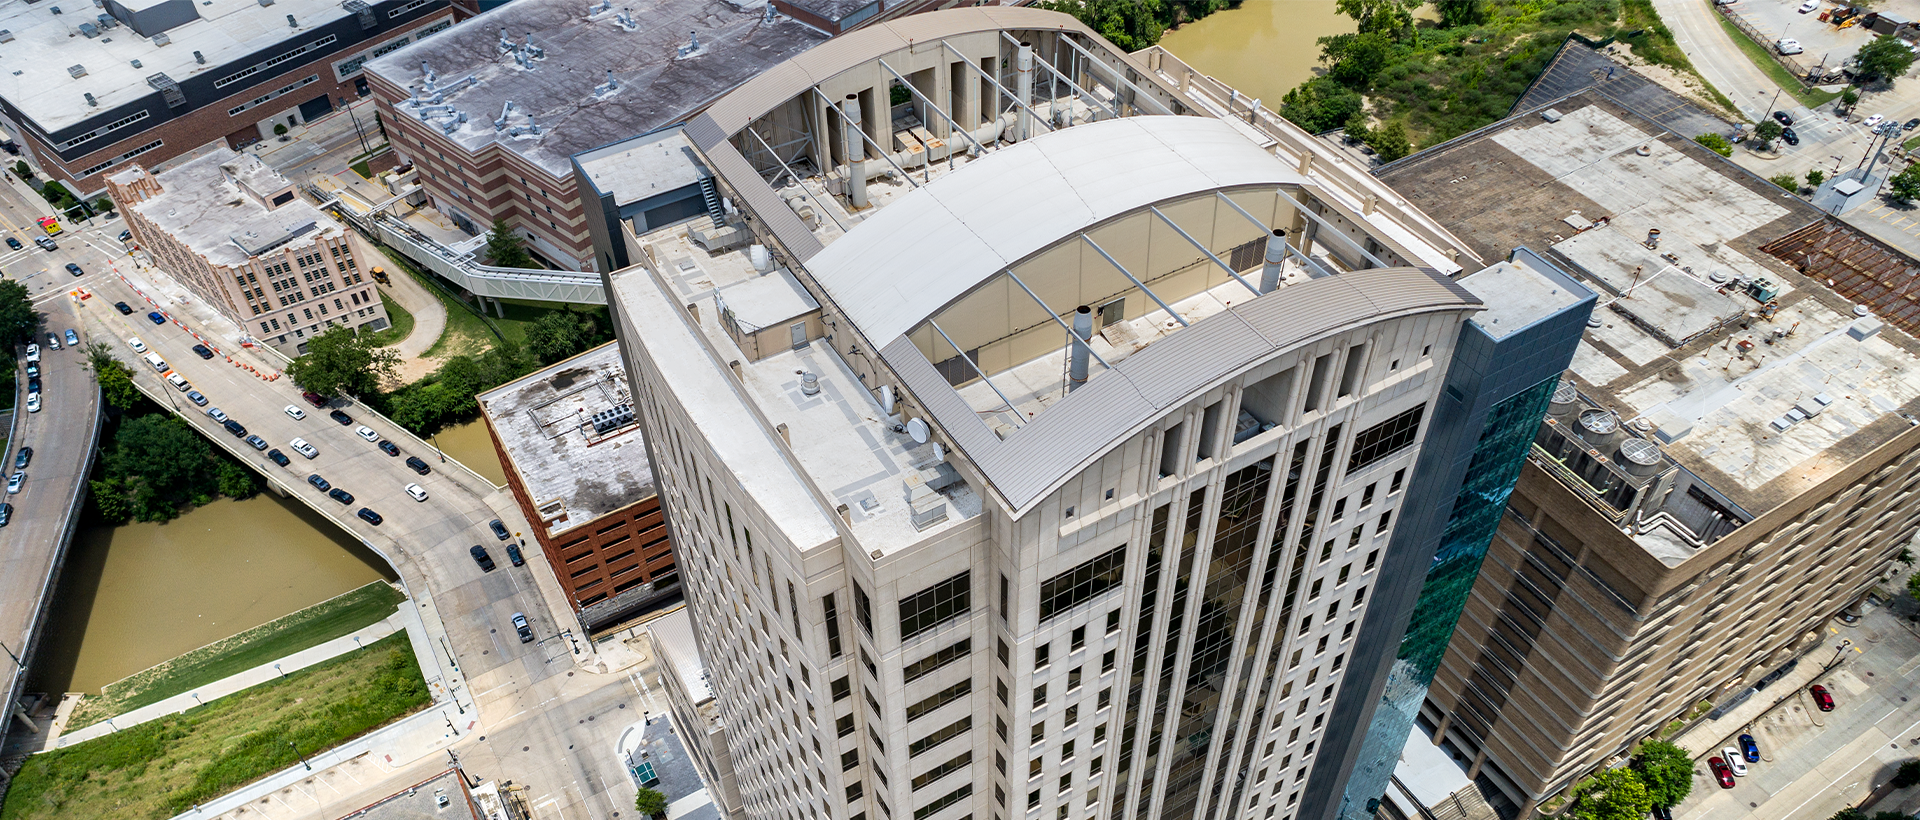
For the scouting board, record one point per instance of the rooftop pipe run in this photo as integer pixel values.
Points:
(856, 152)
(1023, 61)
(1077, 364)
(1276, 256)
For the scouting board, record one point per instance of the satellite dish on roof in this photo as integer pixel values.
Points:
(886, 398)
(917, 428)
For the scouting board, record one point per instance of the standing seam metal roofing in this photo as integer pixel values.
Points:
(1018, 201)
(1034, 460)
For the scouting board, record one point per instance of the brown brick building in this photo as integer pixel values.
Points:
(577, 465)
(494, 124)
(183, 74)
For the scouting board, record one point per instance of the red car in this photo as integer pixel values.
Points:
(313, 398)
(1721, 772)
(1821, 698)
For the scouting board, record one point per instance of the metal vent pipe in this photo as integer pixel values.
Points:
(1271, 265)
(856, 152)
(1077, 363)
(1023, 62)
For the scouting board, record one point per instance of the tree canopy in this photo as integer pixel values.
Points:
(340, 360)
(505, 250)
(562, 333)
(1666, 770)
(1715, 143)
(1883, 57)
(650, 802)
(1320, 104)
(1615, 794)
(114, 376)
(158, 466)
(1905, 186)
(18, 319)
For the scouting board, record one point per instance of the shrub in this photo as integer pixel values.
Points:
(1715, 143)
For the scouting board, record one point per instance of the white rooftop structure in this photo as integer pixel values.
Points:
(984, 218)
(116, 62)
(204, 205)
(548, 79)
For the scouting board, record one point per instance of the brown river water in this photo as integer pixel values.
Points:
(136, 595)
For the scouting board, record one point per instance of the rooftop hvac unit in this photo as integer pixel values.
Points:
(6, 35)
(77, 71)
(612, 419)
(1640, 457)
(136, 63)
(161, 39)
(89, 30)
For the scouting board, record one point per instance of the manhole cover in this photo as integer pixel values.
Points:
(623, 706)
(526, 748)
(569, 674)
(589, 717)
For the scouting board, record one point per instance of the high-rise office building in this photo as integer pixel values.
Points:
(1730, 462)
(1037, 452)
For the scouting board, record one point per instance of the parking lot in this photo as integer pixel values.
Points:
(1814, 763)
(1825, 44)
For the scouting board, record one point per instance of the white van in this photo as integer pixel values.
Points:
(157, 362)
(179, 382)
(137, 345)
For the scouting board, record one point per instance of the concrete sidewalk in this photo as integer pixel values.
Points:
(235, 683)
(1708, 737)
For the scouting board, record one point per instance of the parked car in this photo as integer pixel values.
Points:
(1787, 45)
(340, 495)
(1734, 761)
(1783, 117)
(1662, 813)
(481, 557)
(1873, 122)
(319, 483)
(73, 339)
(217, 414)
(388, 448)
(74, 269)
(513, 555)
(234, 427)
(499, 529)
(53, 342)
(367, 433)
(1749, 749)
(278, 457)
(1787, 136)
(137, 345)
(156, 317)
(202, 351)
(418, 465)
(15, 481)
(46, 243)
(295, 413)
(417, 492)
(6, 513)
(521, 626)
(33, 402)
(33, 370)
(33, 352)
(1911, 124)
(1721, 772)
(33, 384)
(126, 235)
(124, 308)
(313, 398)
(338, 416)
(197, 397)
(1821, 698)
(13, 243)
(1809, 6)
(301, 446)
(369, 516)
(23, 458)
(256, 442)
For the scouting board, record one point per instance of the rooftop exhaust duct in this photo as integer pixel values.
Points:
(1077, 362)
(856, 153)
(1273, 264)
(1023, 62)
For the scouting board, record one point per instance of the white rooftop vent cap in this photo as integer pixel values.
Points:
(917, 428)
(77, 71)
(1551, 115)
(809, 384)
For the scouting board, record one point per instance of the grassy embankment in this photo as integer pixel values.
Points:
(315, 625)
(1774, 71)
(167, 766)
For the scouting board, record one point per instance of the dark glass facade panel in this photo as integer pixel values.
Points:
(935, 605)
(1142, 641)
(921, 668)
(1080, 584)
(1385, 439)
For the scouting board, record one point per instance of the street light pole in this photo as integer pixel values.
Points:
(296, 753)
(16, 658)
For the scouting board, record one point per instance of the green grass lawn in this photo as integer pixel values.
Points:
(466, 332)
(402, 323)
(284, 636)
(1774, 71)
(168, 766)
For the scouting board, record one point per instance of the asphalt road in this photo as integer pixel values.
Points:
(32, 545)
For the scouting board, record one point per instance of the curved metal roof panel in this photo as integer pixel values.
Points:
(938, 242)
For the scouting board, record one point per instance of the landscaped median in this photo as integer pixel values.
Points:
(337, 616)
(169, 765)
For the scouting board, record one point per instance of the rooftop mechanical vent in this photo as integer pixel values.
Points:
(90, 30)
(200, 58)
(360, 9)
(161, 39)
(77, 71)
(91, 102)
(168, 89)
(6, 35)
